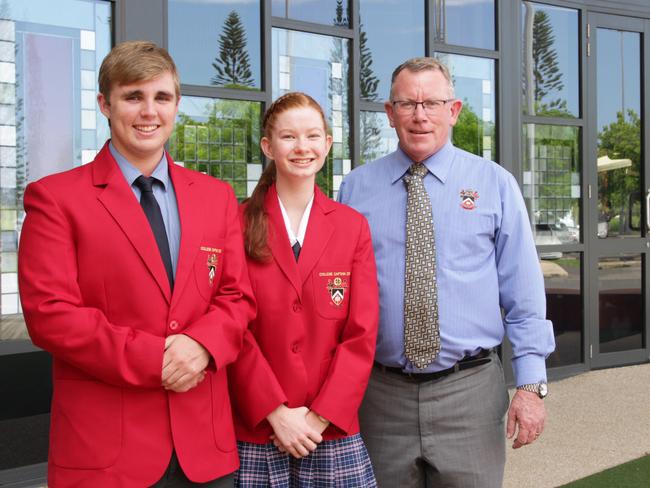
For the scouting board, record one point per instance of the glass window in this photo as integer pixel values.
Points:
(562, 272)
(464, 22)
(378, 138)
(216, 42)
(620, 303)
(329, 12)
(550, 55)
(219, 138)
(390, 33)
(50, 54)
(318, 65)
(473, 79)
(551, 182)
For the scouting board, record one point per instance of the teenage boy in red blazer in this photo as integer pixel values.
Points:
(140, 294)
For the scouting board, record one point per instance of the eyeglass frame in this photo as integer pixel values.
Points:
(438, 104)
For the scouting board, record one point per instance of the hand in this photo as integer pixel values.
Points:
(315, 422)
(184, 362)
(292, 433)
(526, 415)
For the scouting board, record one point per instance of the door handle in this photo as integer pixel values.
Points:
(647, 210)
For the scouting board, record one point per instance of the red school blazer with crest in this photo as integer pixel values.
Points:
(313, 340)
(96, 296)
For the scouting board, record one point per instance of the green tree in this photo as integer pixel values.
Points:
(369, 81)
(340, 19)
(620, 140)
(232, 66)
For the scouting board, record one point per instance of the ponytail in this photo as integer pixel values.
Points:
(255, 219)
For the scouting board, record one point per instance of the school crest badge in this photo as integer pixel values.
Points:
(212, 267)
(468, 199)
(337, 288)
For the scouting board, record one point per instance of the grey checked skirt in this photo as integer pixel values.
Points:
(340, 463)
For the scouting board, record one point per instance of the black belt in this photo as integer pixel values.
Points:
(482, 357)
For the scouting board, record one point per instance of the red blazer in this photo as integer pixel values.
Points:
(95, 295)
(316, 326)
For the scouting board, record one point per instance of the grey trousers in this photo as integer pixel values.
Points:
(448, 432)
(175, 478)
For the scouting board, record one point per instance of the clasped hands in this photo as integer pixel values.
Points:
(184, 363)
(296, 431)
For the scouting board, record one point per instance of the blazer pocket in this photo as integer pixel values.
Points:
(208, 267)
(332, 291)
(223, 429)
(86, 424)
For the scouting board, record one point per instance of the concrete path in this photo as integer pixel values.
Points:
(595, 420)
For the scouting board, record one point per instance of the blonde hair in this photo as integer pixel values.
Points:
(134, 61)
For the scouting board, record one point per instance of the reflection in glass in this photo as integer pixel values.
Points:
(329, 12)
(318, 65)
(464, 23)
(378, 138)
(550, 60)
(551, 182)
(404, 23)
(620, 303)
(562, 272)
(216, 42)
(219, 138)
(475, 130)
(619, 118)
(50, 53)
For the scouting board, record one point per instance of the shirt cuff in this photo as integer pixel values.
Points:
(529, 369)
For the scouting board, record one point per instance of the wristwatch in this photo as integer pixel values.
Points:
(541, 388)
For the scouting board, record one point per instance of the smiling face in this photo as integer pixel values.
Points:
(142, 118)
(298, 143)
(420, 134)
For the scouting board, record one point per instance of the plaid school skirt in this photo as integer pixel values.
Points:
(339, 463)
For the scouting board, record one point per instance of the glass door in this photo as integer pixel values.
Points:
(618, 236)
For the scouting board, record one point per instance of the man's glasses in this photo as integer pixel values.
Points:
(430, 107)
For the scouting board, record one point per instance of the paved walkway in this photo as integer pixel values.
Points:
(595, 420)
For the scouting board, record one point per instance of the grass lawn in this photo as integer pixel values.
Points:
(635, 474)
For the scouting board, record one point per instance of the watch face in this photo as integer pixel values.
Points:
(543, 390)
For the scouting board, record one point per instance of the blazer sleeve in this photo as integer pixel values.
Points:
(54, 309)
(221, 329)
(340, 396)
(255, 391)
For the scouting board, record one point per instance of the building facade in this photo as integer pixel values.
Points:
(553, 90)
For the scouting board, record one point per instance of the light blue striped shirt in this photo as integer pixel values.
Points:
(486, 259)
(163, 191)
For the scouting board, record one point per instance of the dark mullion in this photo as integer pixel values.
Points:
(267, 60)
(466, 51)
(354, 82)
(225, 93)
(542, 120)
(368, 106)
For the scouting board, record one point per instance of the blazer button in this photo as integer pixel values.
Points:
(297, 307)
(173, 325)
(295, 348)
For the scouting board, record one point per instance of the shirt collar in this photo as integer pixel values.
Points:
(302, 228)
(131, 173)
(438, 164)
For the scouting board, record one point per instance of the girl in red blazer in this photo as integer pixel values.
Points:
(304, 367)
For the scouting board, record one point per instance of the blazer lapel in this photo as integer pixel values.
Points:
(119, 201)
(319, 232)
(278, 241)
(189, 205)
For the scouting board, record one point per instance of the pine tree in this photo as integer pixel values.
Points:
(339, 19)
(233, 64)
(546, 72)
(369, 81)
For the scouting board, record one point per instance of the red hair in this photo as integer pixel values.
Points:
(255, 226)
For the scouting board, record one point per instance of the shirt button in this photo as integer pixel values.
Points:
(297, 307)
(295, 348)
(173, 325)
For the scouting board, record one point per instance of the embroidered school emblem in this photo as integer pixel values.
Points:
(336, 288)
(212, 267)
(468, 199)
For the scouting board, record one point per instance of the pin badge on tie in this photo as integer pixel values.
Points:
(336, 288)
(468, 199)
(212, 267)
